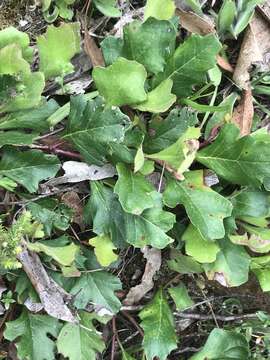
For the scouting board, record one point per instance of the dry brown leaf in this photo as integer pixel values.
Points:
(92, 50)
(153, 263)
(52, 296)
(73, 201)
(194, 23)
(224, 64)
(244, 112)
(254, 49)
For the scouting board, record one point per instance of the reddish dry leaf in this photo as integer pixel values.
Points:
(243, 113)
(224, 64)
(194, 23)
(153, 257)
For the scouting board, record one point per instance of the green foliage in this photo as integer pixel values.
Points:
(28, 168)
(242, 161)
(11, 239)
(94, 130)
(224, 344)
(159, 329)
(32, 332)
(80, 342)
(104, 285)
(159, 9)
(57, 47)
(204, 202)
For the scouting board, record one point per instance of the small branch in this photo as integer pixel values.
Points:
(113, 338)
(54, 150)
(133, 321)
(218, 317)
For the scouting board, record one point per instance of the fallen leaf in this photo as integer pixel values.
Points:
(73, 201)
(92, 50)
(224, 64)
(153, 263)
(195, 23)
(254, 49)
(243, 113)
(76, 171)
(52, 296)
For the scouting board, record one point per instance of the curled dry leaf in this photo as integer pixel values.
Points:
(153, 263)
(243, 113)
(53, 298)
(255, 49)
(92, 50)
(76, 171)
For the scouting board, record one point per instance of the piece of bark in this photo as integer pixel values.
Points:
(153, 263)
(53, 298)
(244, 112)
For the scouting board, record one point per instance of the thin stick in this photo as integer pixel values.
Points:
(113, 338)
(218, 317)
(133, 321)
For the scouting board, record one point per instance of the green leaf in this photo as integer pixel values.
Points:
(106, 213)
(104, 249)
(226, 16)
(139, 159)
(159, 328)
(16, 138)
(64, 255)
(112, 48)
(80, 342)
(149, 228)
(206, 208)
(135, 193)
(258, 239)
(202, 250)
(180, 297)
(114, 82)
(249, 202)
(183, 264)
(260, 266)
(231, 266)
(243, 161)
(245, 11)
(165, 132)
(225, 345)
(98, 288)
(180, 155)
(33, 331)
(11, 35)
(94, 130)
(12, 61)
(51, 215)
(159, 9)
(107, 7)
(150, 43)
(158, 100)
(219, 117)
(34, 119)
(56, 49)
(28, 168)
(197, 52)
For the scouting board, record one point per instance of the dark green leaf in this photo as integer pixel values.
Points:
(28, 168)
(206, 208)
(93, 129)
(159, 328)
(243, 161)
